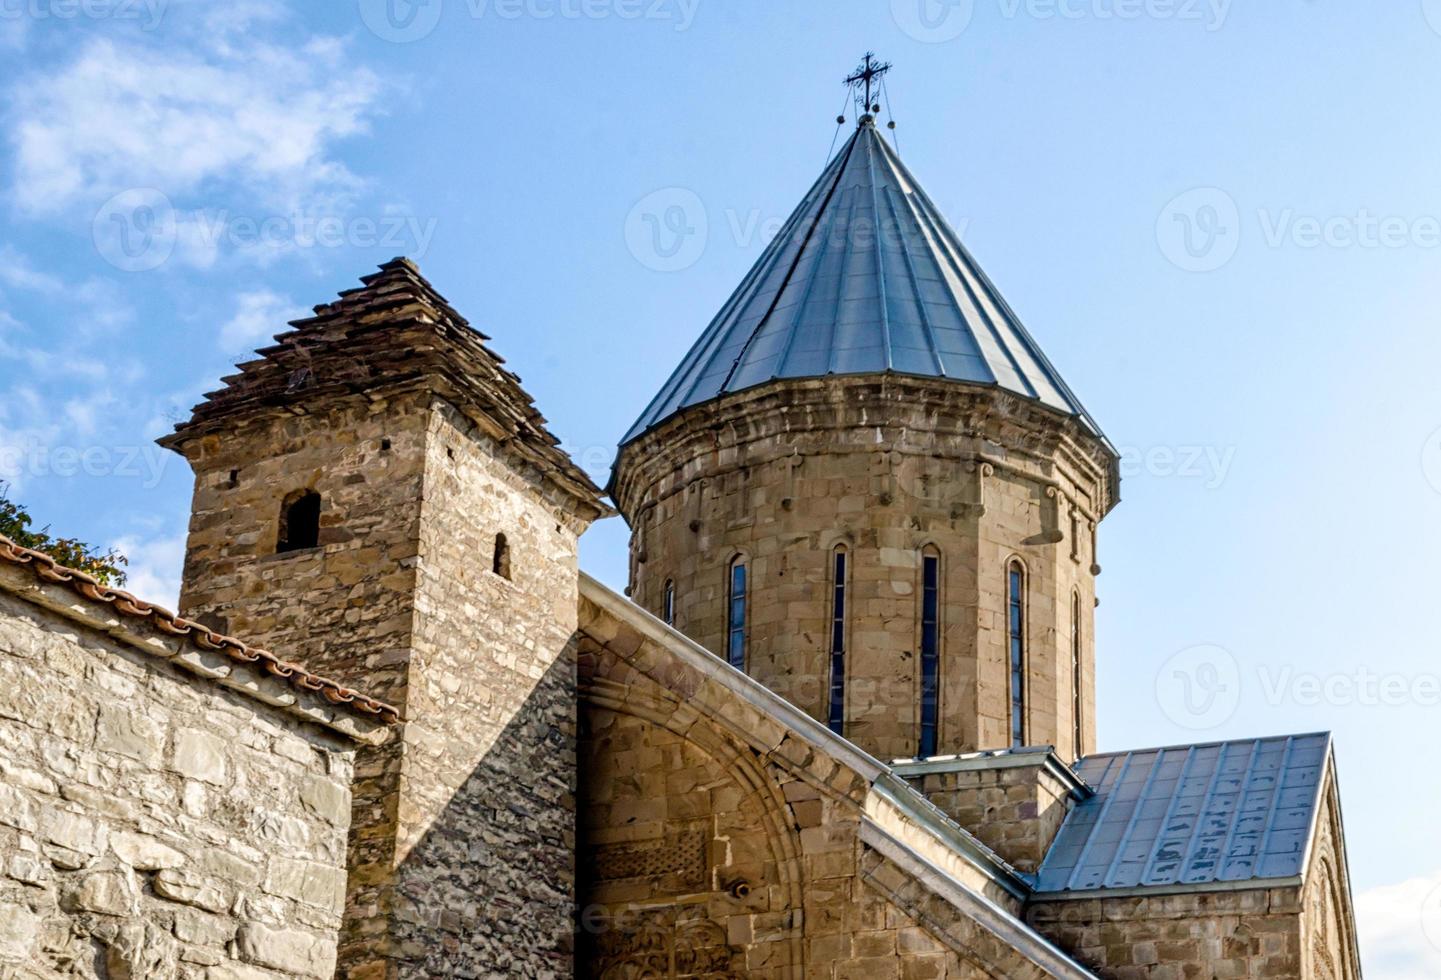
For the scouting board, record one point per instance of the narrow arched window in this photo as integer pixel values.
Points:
(667, 604)
(299, 522)
(1077, 702)
(500, 558)
(1016, 630)
(736, 616)
(930, 653)
(838, 640)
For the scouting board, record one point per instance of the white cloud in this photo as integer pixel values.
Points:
(1400, 929)
(237, 111)
(86, 412)
(259, 316)
(19, 272)
(45, 364)
(155, 565)
(26, 430)
(104, 307)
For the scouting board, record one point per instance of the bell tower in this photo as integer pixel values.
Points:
(377, 498)
(866, 486)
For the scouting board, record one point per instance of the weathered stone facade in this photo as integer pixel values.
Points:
(1015, 802)
(444, 580)
(730, 836)
(154, 823)
(1253, 933)
(887, 467)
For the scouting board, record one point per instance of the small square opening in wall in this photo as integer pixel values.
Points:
(385, 445)
(449, 452)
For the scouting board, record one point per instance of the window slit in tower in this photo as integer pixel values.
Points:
(500, 558)
(736, 617)
(1015, 609)
(930, 654)
(668, 603)
(1076, 700)
(838, 642)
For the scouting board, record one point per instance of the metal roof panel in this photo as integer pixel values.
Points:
(866, 276)
(1190, 816)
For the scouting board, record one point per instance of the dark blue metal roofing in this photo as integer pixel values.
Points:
(865, 277)
(1191, 817)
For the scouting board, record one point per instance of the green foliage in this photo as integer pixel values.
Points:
(107, 567)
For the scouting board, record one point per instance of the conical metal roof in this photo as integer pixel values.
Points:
(865, 277)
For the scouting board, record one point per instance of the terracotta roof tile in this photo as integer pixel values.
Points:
(49, 571)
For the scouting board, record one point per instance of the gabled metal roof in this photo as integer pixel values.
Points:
(865, 277)
(1191, 818)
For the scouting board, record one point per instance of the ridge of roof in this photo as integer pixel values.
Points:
(1042, 756)
(395, 329)
(866, 276)
(48, 571)
(1329, 736)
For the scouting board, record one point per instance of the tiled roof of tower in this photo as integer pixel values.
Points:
(48, 572)
(393, 330)
(1191, 817)
(865, 277)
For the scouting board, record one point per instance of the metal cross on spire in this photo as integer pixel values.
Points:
(868, 73)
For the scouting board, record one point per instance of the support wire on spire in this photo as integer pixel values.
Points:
(886, 94)
(840, 123)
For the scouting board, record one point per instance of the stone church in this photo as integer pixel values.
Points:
(842, 725)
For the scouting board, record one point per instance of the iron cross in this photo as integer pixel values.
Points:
(869, 71)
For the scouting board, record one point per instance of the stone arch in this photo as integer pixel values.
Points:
(740, 765)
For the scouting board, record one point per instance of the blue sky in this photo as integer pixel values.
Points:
(1220, 218)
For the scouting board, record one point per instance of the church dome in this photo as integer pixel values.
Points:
(866, 277)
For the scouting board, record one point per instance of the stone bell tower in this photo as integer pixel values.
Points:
(377, 498)
(867, 487)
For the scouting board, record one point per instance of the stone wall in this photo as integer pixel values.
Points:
(723, 837)
(485, 880)
(153, 825)
(1255, 933)
(1015, 803)
(463, 850)
(344, 608)
(886, 467)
